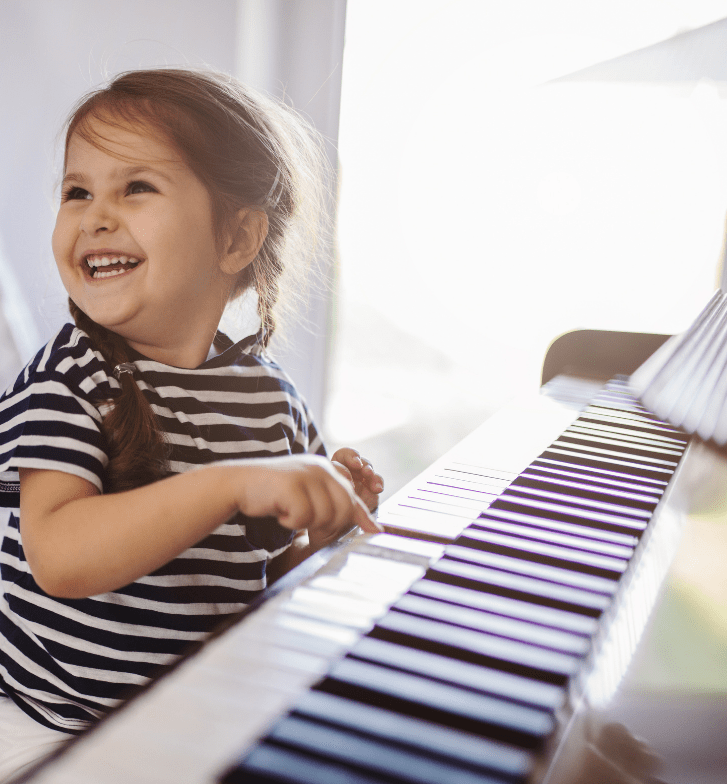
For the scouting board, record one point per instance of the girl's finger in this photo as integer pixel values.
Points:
(363, 519)
(375, 483)
(297, 510)
(342, 470)
(327, 509)
(349, 457)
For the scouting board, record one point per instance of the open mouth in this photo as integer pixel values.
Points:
(110, 266)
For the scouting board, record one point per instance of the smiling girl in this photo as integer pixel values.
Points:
(152, 467)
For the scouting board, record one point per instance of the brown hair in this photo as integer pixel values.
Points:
(248, 151)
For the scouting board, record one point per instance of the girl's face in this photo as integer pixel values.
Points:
(135, 245)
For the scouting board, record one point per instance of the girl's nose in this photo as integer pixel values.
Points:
(98, 217)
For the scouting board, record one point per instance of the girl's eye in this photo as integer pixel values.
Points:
(74, 192)
(140, 187)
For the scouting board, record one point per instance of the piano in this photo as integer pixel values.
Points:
(510, 585)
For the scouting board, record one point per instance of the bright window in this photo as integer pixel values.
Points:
(484, 212)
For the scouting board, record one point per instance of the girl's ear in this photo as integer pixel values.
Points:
(245, 240)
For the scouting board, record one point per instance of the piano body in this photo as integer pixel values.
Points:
(512, 582)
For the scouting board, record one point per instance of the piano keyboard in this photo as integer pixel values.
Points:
(453, 652)
(489, 640)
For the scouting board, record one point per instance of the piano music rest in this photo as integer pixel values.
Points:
(453, 649)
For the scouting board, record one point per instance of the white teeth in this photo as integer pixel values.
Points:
(105, 261)
(109, 274)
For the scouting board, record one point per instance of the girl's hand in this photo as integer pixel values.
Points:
(367, 483)
(303, 492)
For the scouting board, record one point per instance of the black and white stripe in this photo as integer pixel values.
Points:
(65, 662)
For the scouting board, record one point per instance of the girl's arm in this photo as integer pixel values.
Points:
(81, 543)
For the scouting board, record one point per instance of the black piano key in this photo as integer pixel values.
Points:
(575, 503)
(630, 422)
(595, 542)
(624, 442)
(566, 514)
(586, 495)
(627, 433)
(496, 683)
(606, 567)
(600, 476)
(480, 620)
(476, 752)
(550, 481)
(271, 764)
(518, 563)
(542, 526)
(507, 607)
(634, 419)
(624, 432)
(610, 448)
(392, 762)
(568, 454)
(479, 578)
(454, 707)
(476, 647)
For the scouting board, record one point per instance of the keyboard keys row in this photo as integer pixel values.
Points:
(462, 678)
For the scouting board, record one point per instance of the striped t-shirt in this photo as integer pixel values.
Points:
(67, 661)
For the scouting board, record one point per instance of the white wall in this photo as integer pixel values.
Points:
(51, 52)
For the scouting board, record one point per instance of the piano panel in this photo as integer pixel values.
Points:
(453, 647)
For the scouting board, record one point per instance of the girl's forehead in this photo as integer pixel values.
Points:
(138, 143)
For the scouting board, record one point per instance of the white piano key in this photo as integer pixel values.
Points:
(462, 479)
(357, 589)
(367, 568)
(427, 551)
(343, 635)
(424, 523)
(441, 497)
(437, 507)
(625, 433)
(311, 596)
(434, 486)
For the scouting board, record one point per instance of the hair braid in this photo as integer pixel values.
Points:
(136, 448)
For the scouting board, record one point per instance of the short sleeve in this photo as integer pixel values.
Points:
(307, 438)
(47, 421)
(315, 442)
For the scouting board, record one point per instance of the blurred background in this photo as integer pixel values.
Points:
(507, 172)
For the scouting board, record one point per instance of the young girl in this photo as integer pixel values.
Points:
(152, 468)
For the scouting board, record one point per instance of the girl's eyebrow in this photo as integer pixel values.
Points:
(126, 173)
